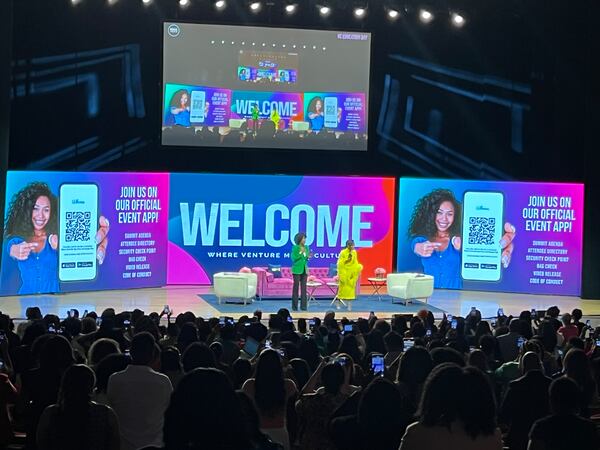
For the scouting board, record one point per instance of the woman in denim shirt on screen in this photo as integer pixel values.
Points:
(435, 237)
(31, 237)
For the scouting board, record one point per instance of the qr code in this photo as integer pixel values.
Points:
(482, 230)
(78, 226)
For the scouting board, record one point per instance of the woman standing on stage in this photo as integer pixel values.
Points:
(349, 270)
(300, 256)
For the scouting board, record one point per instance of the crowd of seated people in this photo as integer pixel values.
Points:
(131, 381)
(266, 135)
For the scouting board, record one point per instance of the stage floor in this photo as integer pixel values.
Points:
(188, 298)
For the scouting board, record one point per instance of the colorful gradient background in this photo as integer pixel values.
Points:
(110, 273)
(218, 115)
(191, 265)
(345, 124)
(515, 278)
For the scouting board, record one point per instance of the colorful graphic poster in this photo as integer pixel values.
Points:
(232, 221)
(187, 106)
(69, 231)
(493, 236)
(249, 104)
(336, 111)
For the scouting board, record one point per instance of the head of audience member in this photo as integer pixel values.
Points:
(190, 427)
(187, 335)
(565, 396)
(515, 326)
(143, 350)
(525, 316)
(478, 359)
(227, 333)
(242, 370)
(300, 371)
(101, 348)
(393, 342)
(375, 342)
(332, 378)
(32, 332)
(447, 355)
(576, 314)
(147, 324)
(441, 396)
(33, 313)
(269, 382)
(487, 344)
(276, 322)
(88, 325)
(350, 345)
(172, 330)
(217, 349)
(530, 361)
(380, 414)
(478, 415)
(56, 354)
(566, 319)
(383, 326)
(483, 329)
(414, 366)
(108, 313)
(418, 330)
(576, 366)
(399, 324)
(76, 388)
(197, 355)
(553, 312)
(113, 363)
(72, 326)
(170, 360)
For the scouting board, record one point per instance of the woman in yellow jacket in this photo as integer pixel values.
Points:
(348, 272)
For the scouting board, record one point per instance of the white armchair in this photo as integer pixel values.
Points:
(409, 286)
(235, 285)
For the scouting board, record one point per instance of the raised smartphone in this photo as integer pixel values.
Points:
(78, 224)
(482, 230)
(331, 110)
(197, 110)
(377, 365)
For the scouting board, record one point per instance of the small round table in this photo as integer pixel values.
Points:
(377, 283)
(312, 286)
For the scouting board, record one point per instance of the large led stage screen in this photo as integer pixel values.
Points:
(493, 236)
(226, 222)
(280, 88)
(70, 231)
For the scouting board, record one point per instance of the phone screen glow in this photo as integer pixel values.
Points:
(482, 230)
(78, 224)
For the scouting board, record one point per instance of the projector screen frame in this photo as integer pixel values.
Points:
(276, 150)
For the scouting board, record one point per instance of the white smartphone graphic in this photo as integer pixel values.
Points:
(197, 109)
(78, 224)
(481, 233)
(331, 108)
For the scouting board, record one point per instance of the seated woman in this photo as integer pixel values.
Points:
(348, 271)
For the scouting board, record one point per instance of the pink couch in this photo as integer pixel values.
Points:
(269, 286)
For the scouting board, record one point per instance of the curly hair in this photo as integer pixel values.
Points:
(312, 106)
(422, 222)
(176, 98)
(18, 220)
